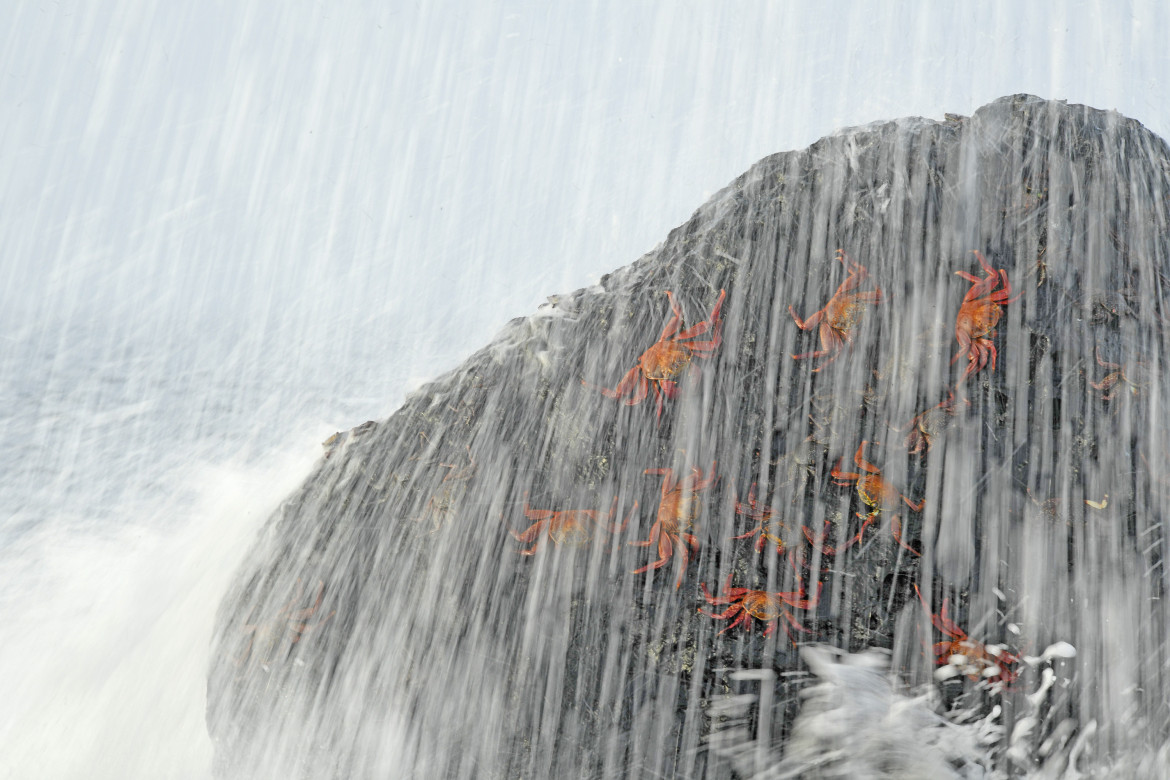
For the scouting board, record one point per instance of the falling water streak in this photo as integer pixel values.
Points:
(162, 187)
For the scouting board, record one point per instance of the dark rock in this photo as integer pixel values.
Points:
(445, 653)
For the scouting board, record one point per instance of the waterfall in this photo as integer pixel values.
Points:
(891, 451)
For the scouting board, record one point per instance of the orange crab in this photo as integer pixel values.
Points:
(840, 314)
(1119, 374)
(876, 493)
(761, 605)
(767, 527)
(678, 509)
(929, 424)
(979, 314)
(288, 624)
(662, 364)
(976, 660)
(570, 527)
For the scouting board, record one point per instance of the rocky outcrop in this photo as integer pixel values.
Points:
(388, 624)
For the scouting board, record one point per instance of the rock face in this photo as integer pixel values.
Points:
(388, 624)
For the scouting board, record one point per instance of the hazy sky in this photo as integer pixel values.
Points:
(426, 171)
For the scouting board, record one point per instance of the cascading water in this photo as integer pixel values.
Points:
(904, 398)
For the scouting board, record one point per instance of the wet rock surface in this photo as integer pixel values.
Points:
(386, 623)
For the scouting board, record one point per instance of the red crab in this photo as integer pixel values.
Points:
(570, 527)
(662, 364)
(840, 314)
(761, 605)
(288, 624)
(978, 316)
(678, 509)
(767, 527)
(876, 493)
(1120, 374)
(973, 658)
(926, 425)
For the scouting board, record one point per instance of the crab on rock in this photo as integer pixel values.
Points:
(927, 425)
(876, 493)
(762, 605)
(1120, 377)
(976, 660)
(663, 363)
(979, 314)
(288, 624)
(570, 527)
(840, 314)
(767, 527)
(678, 509)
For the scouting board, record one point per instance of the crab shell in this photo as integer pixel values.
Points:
(572, 528)
(876, 492)
(979, 318)
(665, 361)
(679, 509)
(762, 605)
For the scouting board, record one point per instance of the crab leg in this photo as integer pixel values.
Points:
(818, 541)
(307, 612)
(851, 282)
(1103, 363)
(866, 522)
(843, 478)
(811, 322)
(791, 622)
(702, 327)
(703, 484)
(941, 621)
(964, 344)
(834, 353)
(1108, 396)
(705, 348)
(830, 342)
(673, 324)
(665, 550)
(730, 594)
(1109, 381)
(842, 257)
(537, 514)
(744, 618)
(989, 347)
(655, 531)
(799, 599)
(532, 533)
(640, 393)
(896, 530)
(668, 478)
(300, 629)
(613, 528)
(722, 615)
(981, 287)
(943, 652)
(685, 555)
(870, 296)
(529, 534)
(634, 378)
